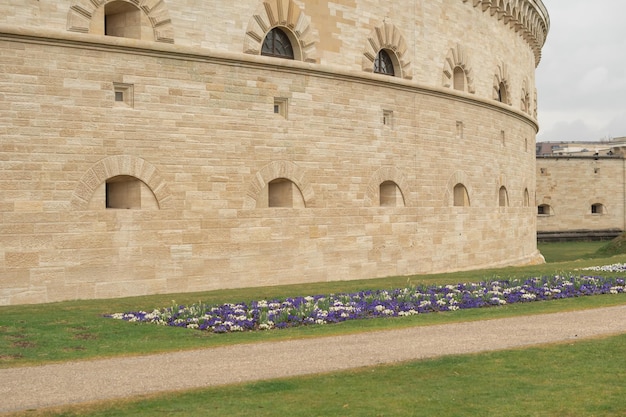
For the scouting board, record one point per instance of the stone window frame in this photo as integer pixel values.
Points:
(281, 106)
(388, 118)
(385, 196)
(256, 196)
(545, 210)
(124, 95)
(123, 184)
(384, 63)
(460, 195)
(118, 165)
(387, 174)
(282, 43)
(457, 60)
(283, 193)
(81, 14)
(456, 179)
(598, 209)
(526, 198)
(291, 19)
(389, 38)
(501, 88)
(503, 197)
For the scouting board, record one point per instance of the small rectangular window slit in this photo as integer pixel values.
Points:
(388, 118)
(280, 106)
(123, 94)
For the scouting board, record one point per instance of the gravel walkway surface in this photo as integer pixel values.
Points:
(93, 380)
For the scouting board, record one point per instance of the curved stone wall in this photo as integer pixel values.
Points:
(246, 170)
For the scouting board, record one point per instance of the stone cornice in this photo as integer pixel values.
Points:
(529, 18)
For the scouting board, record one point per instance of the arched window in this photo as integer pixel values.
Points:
(525, 105)
(383, 64)
(597, 208)
(128, 192)
(503, 96)
(461, 197)
(526, 198)
(458, 79)
(390, 195)
(277, 44)
(124, 20)
(503, 197)
(544, 210)
(282, 192)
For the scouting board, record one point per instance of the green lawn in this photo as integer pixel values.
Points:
(563, 380)
(574, 379)
(570, 251)
(34, 334)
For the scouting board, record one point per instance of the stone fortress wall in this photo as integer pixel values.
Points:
(162, 152)
(568, 210)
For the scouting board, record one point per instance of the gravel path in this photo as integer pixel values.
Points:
(76, 382)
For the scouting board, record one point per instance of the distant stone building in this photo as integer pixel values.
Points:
(581, 190)
(153, 146)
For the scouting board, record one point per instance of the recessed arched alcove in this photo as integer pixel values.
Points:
(277, 183)
(138, 19)
(132, 182)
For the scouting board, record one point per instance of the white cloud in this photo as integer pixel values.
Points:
(581, 79)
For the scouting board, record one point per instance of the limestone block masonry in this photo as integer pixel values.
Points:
(155, 146)
(568, 209)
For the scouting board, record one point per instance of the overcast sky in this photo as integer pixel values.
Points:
(581, 79)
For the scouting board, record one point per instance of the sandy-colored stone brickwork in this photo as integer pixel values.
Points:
(581, 193)
(175, 157)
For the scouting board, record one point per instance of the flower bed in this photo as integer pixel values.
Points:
(334, 308)
(607, 268)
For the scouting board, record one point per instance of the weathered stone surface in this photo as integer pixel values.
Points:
(187, 109)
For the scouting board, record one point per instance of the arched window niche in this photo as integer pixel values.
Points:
(503, 95)
(459, 80)
(544, 210)
(384, 64)
(125, 192)
(598, 209)
(503, 197)
(526, 201)
(282, 192)
(277, 43)
(390, 195)
(122, 19)
(461, 197)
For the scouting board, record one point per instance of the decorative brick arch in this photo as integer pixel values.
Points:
(529, 187)
(502, 77)
(387, 36)
(275, 170)
(526, 102)
(372, 194)
(113, 166)
(81, 12)
(284, 14)
(503, 182)
(459, 177)
(457, 58)
(598, 201)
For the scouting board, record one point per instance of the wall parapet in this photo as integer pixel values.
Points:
(529, 18)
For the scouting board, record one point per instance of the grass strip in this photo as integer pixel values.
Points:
(581, 378)
(37, 334)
